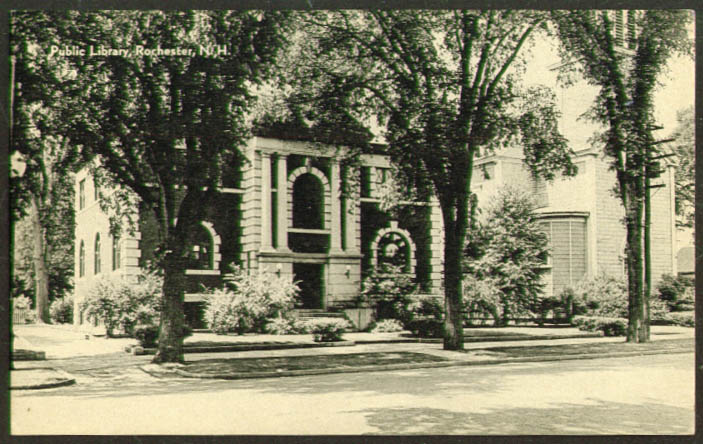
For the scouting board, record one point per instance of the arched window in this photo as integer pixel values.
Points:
(393, 250)
(96, 263)
(201, 253)
(116, 253)
(308, 202)
(81, 260)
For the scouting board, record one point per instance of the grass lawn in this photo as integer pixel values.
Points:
(327, 361)
(589, 348)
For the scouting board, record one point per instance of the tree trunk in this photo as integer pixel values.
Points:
(41, 272)
(453, 292)
(172, 320)
(637, 329)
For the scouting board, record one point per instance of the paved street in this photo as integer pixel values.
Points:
(636, 395)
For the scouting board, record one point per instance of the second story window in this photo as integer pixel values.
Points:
(308, 202)
(81, 260)
(81, 194)
(116, 254)
(96, 267)
(96, 190)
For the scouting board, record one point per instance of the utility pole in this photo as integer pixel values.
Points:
(651, 170)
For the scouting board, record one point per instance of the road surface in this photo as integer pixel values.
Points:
(636, 395)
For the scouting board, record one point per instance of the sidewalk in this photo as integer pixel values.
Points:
(297, 354)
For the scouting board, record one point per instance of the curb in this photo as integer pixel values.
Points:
(66, 380)
(27, 355)
(470, 339)
(244, 347)
(391, 367)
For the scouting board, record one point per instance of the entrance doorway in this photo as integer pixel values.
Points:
(310, 279)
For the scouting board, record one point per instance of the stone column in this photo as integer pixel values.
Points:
(351, 221)
(335, 208)
(282, 203)
(265, 219)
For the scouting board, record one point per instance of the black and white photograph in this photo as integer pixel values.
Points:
(327, 222)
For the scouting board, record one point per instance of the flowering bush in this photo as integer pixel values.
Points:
(101, 302)
(328, 329)
(140, 303)
(248, 301)
(61, 311)
(388, 326)
(121, 304)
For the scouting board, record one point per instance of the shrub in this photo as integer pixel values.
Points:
(426, 327)
(427, 306)
(101, 302)
(683, 318)
(601, 296)
(676, 292)
(21, 303)
(388, 293)
(61, 311)
(328, 329)
(427, 313)
(147, 335)
(282, 326)
(119, 303)
(388, 326)
(658, 310)
(140, 302)
(609, 326)
(248, 301)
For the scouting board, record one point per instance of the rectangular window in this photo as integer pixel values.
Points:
(81, 194)
(96, 190)
(567, 243)
(365, 181)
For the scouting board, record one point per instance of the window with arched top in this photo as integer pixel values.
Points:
(393, 250)
(96, 262)
(308, 202)
(116, 254)
(202, 249)
(81, 260)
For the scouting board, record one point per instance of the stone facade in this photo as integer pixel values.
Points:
(286, 214)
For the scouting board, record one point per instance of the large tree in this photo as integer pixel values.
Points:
(41, 188)
(626, 69)
(164, 125)
(444, 86)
